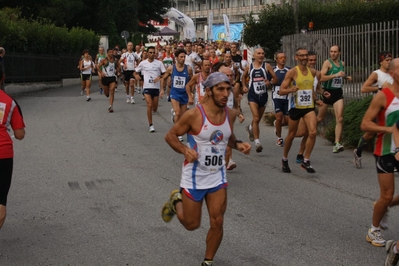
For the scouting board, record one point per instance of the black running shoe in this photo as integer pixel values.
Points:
(299, 158)
(308, 167)
(286, 168)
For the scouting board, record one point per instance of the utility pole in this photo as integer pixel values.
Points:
(294, 3)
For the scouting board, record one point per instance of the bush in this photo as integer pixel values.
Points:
(42, 37)
(353, 115)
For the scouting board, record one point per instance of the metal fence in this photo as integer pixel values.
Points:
(360, 46)
(20, 68)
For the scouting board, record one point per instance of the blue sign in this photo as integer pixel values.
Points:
(219, 31)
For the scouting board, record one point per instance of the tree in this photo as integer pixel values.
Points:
(102, 16)
(274, 22)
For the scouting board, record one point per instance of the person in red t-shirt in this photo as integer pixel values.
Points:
(10, 115)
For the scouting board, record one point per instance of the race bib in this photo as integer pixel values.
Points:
(304, 98)
(336, 82)
(276, 94)
(179, 82)
(211, 160)
(259, 87)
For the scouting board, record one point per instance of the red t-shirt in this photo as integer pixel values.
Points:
(10, 115)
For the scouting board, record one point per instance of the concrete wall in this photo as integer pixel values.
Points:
(22, 88)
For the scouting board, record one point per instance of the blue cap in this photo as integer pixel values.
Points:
(214, 79)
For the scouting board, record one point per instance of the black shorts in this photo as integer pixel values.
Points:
(5, 179)
(152, 92)
(128, 74)
(108, 80)
(280, 105)
(336, 95)
(296, 114)
(385, 164)
(259, 99)
(85, 77)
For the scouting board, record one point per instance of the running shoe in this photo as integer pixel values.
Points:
(308, 167)
(384, 220)
(152, 129)
(375, 238)
(231, 165)
(88, 99)
(180, 138)
(168, 98)
(299, 158)
(250, 133)
(110, 109)
(258, 147)
(132, 101)
(357, 161)
(280, 142)
(116, 89)
(286, 168)
(392, 257)
(207, 263)
(338, 147)
(127, 99)
(82, 92)
(168, 209)
(143, 98)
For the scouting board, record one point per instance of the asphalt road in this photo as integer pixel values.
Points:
(88, 187)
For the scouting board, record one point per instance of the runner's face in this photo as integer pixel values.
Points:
(281, 58)
(220, 94)
(181, 58)
(229, 73)
(130, 47)
(385, 63)
(110, 53)
(312, 61)
(301, 57)
(233, 48)
(259, 55)
(101, 51)
(200, 50)
(334, 54)
(188, 47)
(206, 66)
(227, 58)
(151, 54)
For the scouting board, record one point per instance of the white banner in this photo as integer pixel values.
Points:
(227, 26)
(210, 22)
(184, 21)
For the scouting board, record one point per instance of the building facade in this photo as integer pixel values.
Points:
(198, 11)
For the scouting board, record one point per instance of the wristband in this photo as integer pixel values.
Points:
(396, 150)
(238, 141)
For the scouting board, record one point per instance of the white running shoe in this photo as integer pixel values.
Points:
(127, 99)
(231, 165)
(180, 138)
(152, 129)
(375, 238)
(357, 161)
(132, 101)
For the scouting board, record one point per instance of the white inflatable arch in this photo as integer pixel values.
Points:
(184, 21)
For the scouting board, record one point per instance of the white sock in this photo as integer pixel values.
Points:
(257, 141)
(250, 127)
(373, 228)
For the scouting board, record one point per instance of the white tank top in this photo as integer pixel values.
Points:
(382, 78)
(86, 64)
(109, 69)
(209, 171)
(199, 89)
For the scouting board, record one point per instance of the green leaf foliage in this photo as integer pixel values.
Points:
(274, 22)
(40, 37)
(353, 115)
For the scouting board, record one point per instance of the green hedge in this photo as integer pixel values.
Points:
(41, 37)
(353, 115)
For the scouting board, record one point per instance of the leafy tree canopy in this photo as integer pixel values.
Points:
(102, 16)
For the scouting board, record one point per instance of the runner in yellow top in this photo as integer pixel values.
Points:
(298, 84)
